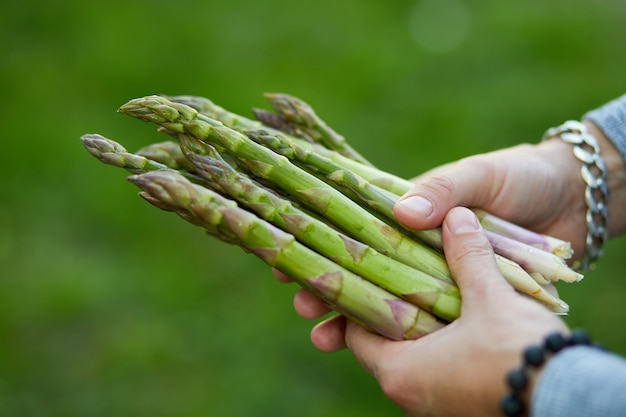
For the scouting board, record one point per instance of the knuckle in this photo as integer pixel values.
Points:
(448, 182)
(440, 184)
(472, 248)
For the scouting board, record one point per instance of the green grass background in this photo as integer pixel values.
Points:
(109, 307)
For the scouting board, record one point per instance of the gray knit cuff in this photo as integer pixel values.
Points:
(581, 381)
(611, 119)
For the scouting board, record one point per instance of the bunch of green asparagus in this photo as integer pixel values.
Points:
(287, 188)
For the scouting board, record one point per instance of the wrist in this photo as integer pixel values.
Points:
(616, 180)
(586, 148)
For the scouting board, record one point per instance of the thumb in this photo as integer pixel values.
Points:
(471, 260)
(462, 183)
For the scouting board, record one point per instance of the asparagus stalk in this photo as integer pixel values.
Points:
(546, 243)
(240, 123)
(206, 107)
(303, 187)
(538, 262)
(112, 153)
(299, 115)
(345, 292)
(168, 153)
(439, 297)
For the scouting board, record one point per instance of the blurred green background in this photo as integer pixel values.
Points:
(109, 307)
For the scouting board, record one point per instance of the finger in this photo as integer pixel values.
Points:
(471, 259)
(329, 335)
(308, 305)
(368, 348)
(281, 277)
(459, 184)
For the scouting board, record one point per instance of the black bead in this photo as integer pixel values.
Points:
(517, 379)
(579, 337)
(534, 355)
(512, 405)
(555, 342)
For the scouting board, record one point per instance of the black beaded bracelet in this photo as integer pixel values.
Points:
(534, 357)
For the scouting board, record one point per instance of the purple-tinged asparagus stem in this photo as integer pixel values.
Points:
(345, 292)
(546, 243)
(550, 267)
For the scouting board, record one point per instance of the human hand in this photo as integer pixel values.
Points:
(460, 369)
(535, 186)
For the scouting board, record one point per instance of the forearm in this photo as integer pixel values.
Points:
(581, 381)
(611, 120)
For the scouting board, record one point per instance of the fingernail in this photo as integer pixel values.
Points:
(462, 221)
(417, 205)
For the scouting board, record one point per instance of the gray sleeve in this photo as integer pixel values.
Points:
(611, 119)
(581, 381)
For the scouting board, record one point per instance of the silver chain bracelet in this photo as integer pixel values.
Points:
(594, 173)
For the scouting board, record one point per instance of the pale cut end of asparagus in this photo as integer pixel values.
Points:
(537, 261)
(525, 284)
(502, 227)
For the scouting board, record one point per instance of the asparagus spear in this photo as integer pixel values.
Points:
(303, 187)
(299, 115)
(345, 292)
(240, 123)
(543, 265)
(206, 107)
(439, 297)
(112, 153)
(549, 244)
(167, 153)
